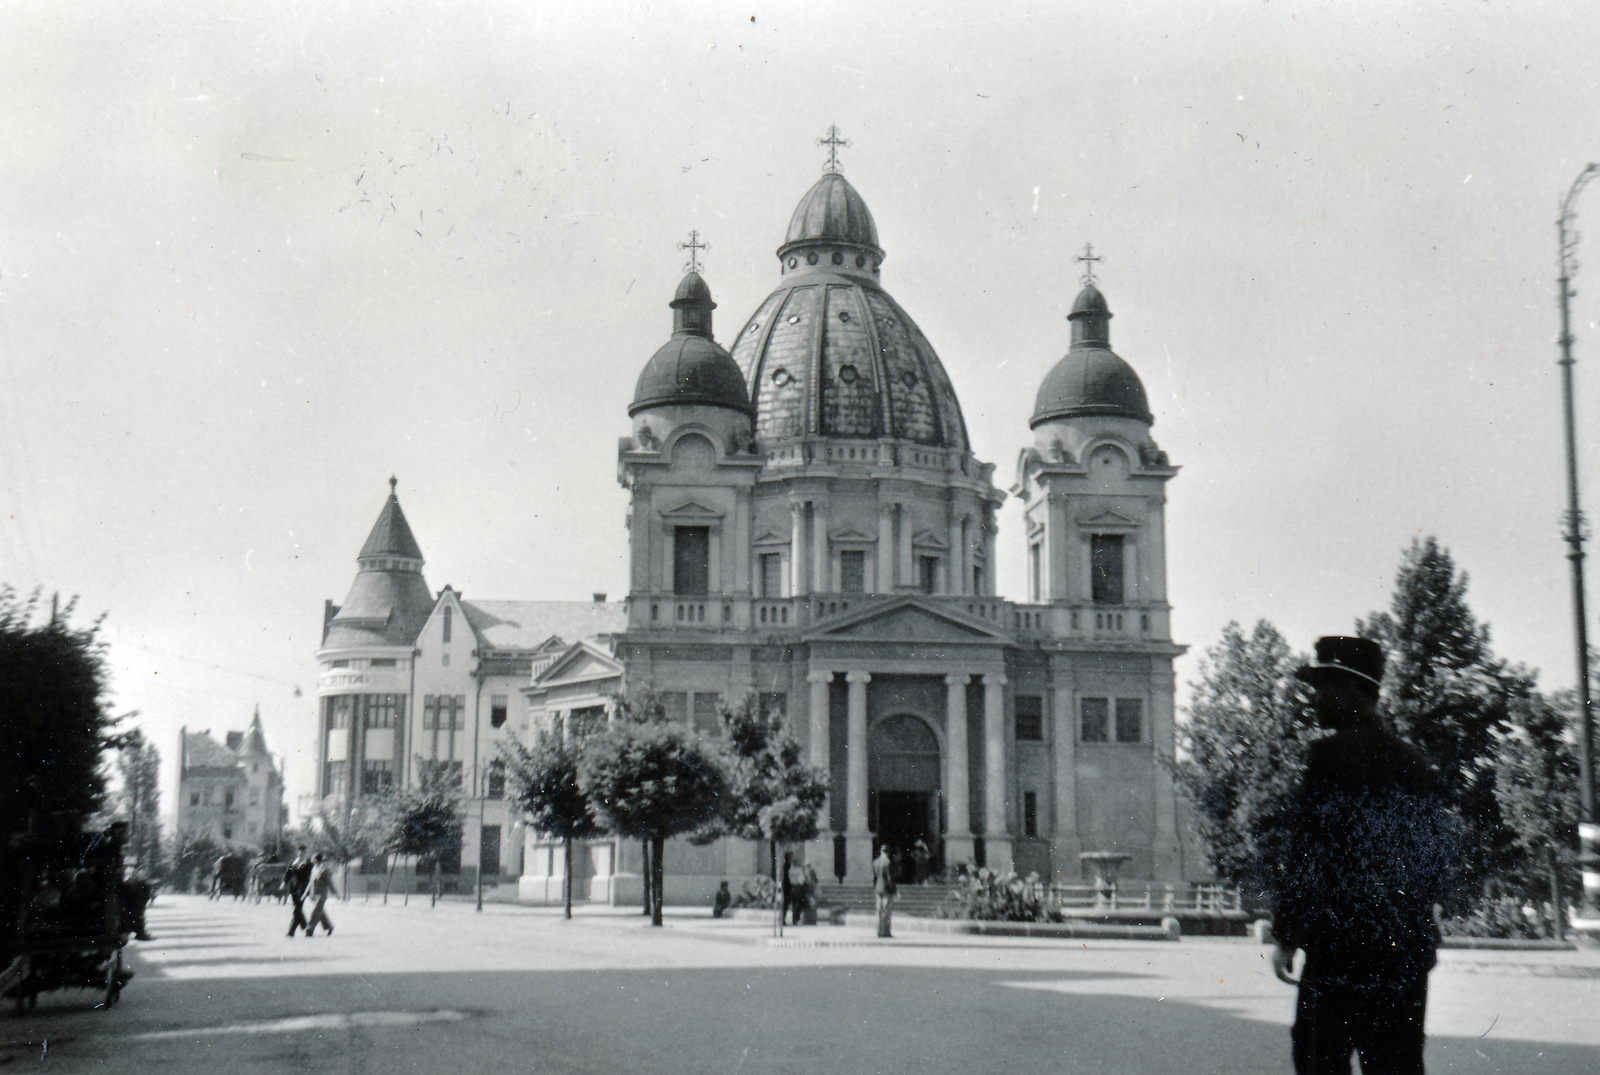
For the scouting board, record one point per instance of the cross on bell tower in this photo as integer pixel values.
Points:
(1088, 257)
(694, 246)
(834, 144)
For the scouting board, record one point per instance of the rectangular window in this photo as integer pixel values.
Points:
(1030, 718)
(1105, 569)
(497, 779)
(334, 776)
(977, 580)
(447, 623)
(430, 711)
(852, 571)
(1030, 813)
(194, 798)
(378, 710)
(341, 664)
(771, 574)
(708, 713)
(336, 711)
(676, 706)
(384, 662)
(445, 711)
(376, 777)
(255, 796)
(227, 799)
(1096, 720)
(691, 560)
(928, 568)
(1130, 720)
(777, 703)
(498, 709)
(1035, 572)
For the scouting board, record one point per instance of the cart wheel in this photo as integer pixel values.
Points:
(114, 979)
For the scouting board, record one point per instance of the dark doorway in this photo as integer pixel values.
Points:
(903, 803)
(489, 851)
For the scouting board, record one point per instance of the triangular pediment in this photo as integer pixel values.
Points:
(581, 663)
(852, 535)
(906, 619)
(1109, 519)
(928, 539)
(771, 537)
(692, 509)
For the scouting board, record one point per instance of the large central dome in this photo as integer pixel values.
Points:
(829, 353)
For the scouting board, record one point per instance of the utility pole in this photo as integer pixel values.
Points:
(1589, 822)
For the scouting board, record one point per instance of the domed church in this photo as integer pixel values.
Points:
(808, 524)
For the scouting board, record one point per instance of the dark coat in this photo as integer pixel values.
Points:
(883, 875)
(298, 878)
(1363, 851)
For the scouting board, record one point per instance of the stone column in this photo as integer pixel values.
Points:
(821, 576)
(797, 548)
(958, 834)
(907, 575)
(996, 841)
(958, 549)
(885, 579)
(820, 851)
(858, 838)
(1065, 844)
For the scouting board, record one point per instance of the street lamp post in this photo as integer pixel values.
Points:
(1589, 823)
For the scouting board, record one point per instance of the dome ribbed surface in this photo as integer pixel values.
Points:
(832, 211)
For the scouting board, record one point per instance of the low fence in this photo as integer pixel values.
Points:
(1152, 898)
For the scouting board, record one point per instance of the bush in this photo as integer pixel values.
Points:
(757, 892)
(985, 896)
(1504, 919)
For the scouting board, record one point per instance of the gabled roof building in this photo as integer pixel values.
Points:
(232, 789)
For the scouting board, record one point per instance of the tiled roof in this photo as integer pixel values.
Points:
(391, 534)
(200, 751)
(383, 608)
(525, 625)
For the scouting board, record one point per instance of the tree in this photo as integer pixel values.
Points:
(642, 708)
(55, 727)
(424, 820)
(194, 851)
(1242, 746)
(1445, 692)
(139, 800)
(1536, 785)
(342, 836)
(650, 782)
(545, 782)
(771, 796)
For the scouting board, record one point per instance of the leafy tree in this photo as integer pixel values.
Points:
(1446, 692)
(139, 800)
(544, 779)
(341, 836)
(54, 725)
(650, 782)
(425, 820)
(195, 850)
(645, 707)
(1536, 785)
(772, 795)
(1242, 746)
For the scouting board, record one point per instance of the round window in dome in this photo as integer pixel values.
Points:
(861, 260)
(838, 258)
(793, 263)
(848, 374)
(811, 259)
(794, 319)
(909, 379)
(844, 315)
(780, 377)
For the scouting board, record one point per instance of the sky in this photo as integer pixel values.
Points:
(256, 258)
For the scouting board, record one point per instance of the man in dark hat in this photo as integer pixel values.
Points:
(1366, 850)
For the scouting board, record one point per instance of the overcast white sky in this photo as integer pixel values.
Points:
(256, 257)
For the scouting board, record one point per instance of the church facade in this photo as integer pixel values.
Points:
(809, 525)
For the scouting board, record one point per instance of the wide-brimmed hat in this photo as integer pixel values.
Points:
(1340, 655)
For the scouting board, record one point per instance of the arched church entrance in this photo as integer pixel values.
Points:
(903, 793)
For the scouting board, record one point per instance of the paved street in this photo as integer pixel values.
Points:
(514, 989)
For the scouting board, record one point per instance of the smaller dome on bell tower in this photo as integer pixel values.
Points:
(1091, 380)
(691, 368)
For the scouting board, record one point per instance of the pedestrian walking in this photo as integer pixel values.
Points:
(883, 888)
(1360, 857)
(797, 891)
(321, 889)
(296, 880)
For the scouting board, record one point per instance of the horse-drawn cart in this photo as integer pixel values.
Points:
(70, 932)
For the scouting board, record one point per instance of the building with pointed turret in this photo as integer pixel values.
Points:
(232, 789)
(808, 525)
